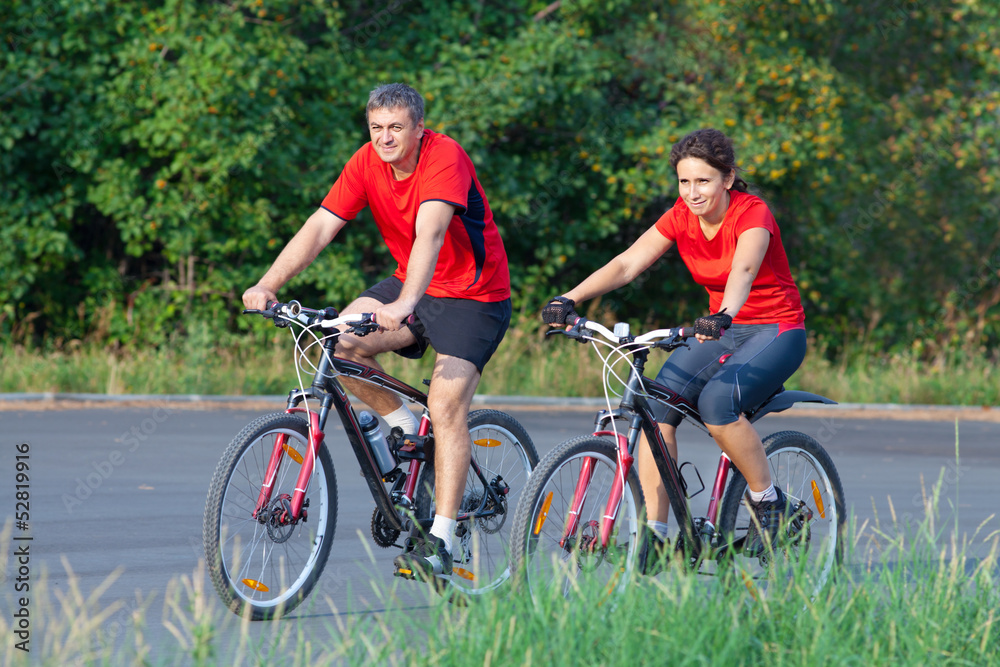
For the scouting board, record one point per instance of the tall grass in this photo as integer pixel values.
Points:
(907, 595)
(526, 364)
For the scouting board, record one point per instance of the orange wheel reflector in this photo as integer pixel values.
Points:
(748, 582)
(544, 514)
(610, 588)
(488, 442)
(292, 454)
(819, 500)
(256, 585)
(465, 574)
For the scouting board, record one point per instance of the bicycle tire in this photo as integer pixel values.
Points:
(805, 472)
(500, 446)
(251, 562)
(539, 522)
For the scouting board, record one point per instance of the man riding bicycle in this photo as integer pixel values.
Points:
(451, 276)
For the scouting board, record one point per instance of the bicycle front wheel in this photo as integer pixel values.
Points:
(260, 563)
(505, 456)
(572, 485)
(810, 547)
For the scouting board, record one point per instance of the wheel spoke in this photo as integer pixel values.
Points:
(264, 562)
(579, 559)
(810, 552)
(506, 452)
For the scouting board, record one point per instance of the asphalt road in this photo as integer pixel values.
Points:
(117, 496)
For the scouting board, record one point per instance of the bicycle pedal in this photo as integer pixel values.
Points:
(415, 575)
(404, 572)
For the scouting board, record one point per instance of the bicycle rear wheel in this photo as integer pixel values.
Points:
(506, 456)
(811, 546)
(553, 562)
(263, 566)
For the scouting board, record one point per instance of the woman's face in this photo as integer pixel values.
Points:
(704, 189)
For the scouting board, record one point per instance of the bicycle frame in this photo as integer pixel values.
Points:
(332, 396)
(634, 408)
(699, 534)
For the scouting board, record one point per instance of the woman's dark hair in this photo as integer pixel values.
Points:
(712, 147)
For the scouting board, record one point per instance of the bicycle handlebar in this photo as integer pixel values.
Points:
(327, 318)
(664, 338)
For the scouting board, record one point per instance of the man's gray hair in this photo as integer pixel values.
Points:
(396, 96)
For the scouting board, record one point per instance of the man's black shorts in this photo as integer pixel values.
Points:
(462, 328)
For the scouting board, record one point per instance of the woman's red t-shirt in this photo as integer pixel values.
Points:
(774, 298)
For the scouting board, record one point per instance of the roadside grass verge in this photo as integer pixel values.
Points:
(526, 364)
(907, 595)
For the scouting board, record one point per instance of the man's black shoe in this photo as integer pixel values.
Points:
(423, 559)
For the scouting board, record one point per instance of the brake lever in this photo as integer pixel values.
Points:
(673, 343)
(269, 313)
(364, 327)
(575, 332)
(362, 330)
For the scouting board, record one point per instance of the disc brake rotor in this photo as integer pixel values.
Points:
(279, 527)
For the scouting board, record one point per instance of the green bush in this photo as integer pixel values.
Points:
(157, 155)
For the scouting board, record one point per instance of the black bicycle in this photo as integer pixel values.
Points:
(272, 504)
(582, 511)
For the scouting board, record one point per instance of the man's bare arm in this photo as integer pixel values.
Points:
(433, 218)
(317, 232)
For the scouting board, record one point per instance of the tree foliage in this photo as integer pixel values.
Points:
(157, 155)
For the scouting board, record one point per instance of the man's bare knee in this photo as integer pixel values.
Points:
(452, 385)
(349, 347)
(448, 410)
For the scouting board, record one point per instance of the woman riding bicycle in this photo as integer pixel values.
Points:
(753, 342)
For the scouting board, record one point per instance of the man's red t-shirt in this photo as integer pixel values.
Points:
(774, 298)
(472, 262)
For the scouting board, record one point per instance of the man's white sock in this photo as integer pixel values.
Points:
(403, 418)
(444, 528)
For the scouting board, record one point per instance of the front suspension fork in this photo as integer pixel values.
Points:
(622, 469)
(308, 462)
